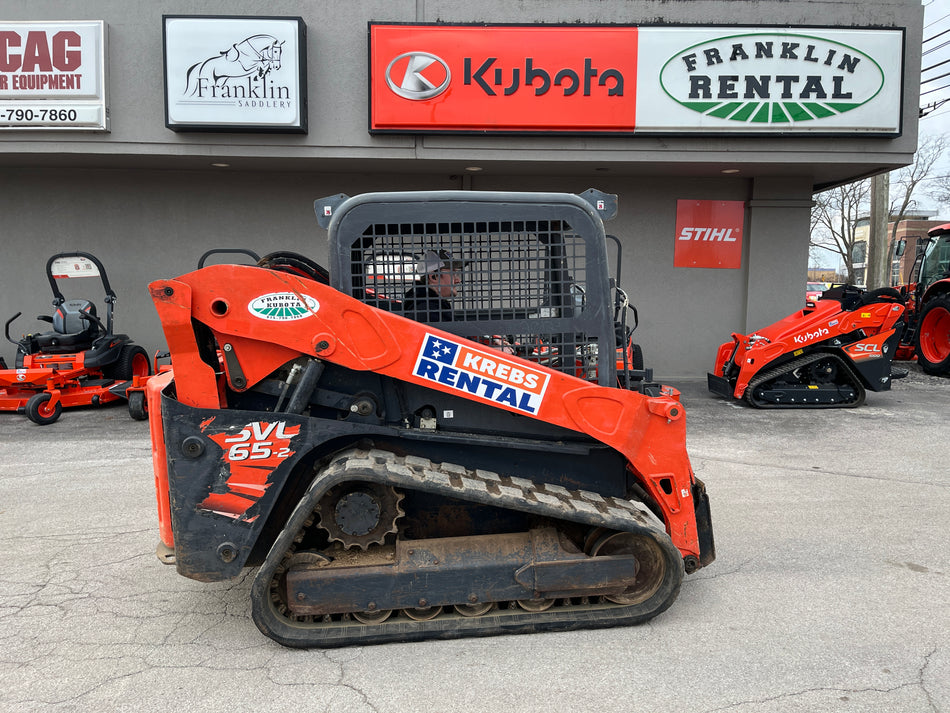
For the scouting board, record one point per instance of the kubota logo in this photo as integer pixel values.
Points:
(283, 306)
(771, 78)
(418, 75)
(809, 336)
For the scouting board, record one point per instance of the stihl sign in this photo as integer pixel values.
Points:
(709, 234)
(628, 79)
(503, 78)
(716, 235)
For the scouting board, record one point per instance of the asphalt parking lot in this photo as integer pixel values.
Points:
(831, 591)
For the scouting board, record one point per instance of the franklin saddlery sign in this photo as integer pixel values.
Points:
(626, 79)
(53, 76)
(235, 74)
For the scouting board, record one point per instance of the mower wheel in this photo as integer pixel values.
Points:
(38, 411)
(933, 337)
(132, 361)
(137, 407)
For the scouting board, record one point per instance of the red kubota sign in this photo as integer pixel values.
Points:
(709, 234)
(462, 78)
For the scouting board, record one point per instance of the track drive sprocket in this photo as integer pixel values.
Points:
(360, 514)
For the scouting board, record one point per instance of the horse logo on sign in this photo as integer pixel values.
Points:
(257, 55)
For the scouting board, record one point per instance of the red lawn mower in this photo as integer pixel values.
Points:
(80, 362)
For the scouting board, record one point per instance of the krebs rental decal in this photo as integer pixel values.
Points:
(487, 376)
(500, 78)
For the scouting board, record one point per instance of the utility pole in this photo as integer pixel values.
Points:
(879, 259)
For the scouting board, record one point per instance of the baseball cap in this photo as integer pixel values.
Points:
(433, 261)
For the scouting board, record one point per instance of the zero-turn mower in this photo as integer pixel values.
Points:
(80, 361)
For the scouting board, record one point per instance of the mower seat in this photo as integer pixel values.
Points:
(72, 331)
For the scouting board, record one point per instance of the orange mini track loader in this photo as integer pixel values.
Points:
(396, 479)
(80, 361)
(824, 356)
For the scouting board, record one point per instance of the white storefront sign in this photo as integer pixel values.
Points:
(761, 80)
(235, 74)
(53, 76)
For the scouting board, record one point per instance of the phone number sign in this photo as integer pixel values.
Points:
(53, 76)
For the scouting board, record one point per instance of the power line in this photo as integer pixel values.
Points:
(931, 39)
(937, 89)
(938, 108)
(934, 49)
(939, 19)
(934, 66)
(934, 79)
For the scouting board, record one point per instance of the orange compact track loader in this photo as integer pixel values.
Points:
(824, 356)
(432, 439)
(80, 361)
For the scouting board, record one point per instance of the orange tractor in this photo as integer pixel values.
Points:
(928, 304)
(433, 439)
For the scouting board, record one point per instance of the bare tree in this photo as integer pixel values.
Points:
(940, 185)
(940, 190)
(836, 212)
(907, 180)
(834, 219)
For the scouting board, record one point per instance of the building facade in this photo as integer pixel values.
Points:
(148, 132)
(909, 233)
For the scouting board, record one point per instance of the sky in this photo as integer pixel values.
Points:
(935, 85)
(934, 101)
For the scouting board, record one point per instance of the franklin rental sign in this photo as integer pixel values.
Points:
(765, 81)
(235, 74)
(627, 79)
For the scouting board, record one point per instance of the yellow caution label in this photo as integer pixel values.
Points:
(812, 387)
(798, 352)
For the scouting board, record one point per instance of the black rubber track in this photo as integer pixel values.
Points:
(276, 621)
(847, 377)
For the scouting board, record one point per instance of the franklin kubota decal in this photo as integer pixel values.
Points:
(283, 306)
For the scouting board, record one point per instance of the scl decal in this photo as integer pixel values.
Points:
(865, 350)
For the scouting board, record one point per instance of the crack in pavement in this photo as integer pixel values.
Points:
(812, 470)
(918, 683)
